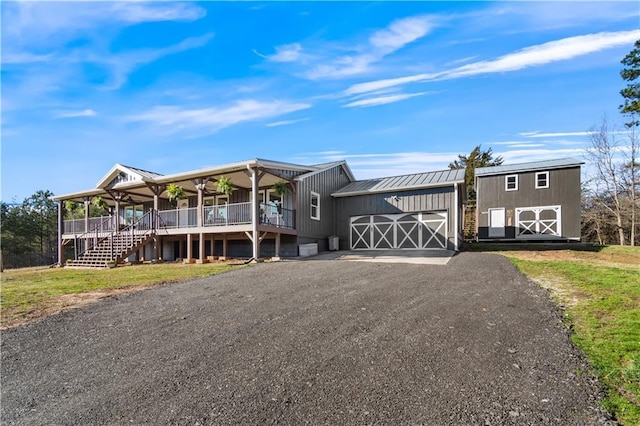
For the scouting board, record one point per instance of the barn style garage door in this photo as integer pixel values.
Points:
(426, 230)
(538, 222)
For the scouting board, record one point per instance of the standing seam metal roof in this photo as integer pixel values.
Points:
(395, 183)
(523, 167)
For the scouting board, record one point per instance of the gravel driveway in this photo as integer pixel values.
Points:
(321, 342)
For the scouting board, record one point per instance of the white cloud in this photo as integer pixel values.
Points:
(553, 135)
(400, 33)
(285, 53)
(211, 120)
(381, 100)
(285, 122)
(322, 63)
(75, 114)
(554, 51)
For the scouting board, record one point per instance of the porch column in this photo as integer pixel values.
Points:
(213, 244)
(224, 246)
(200, 185)
(255, 216)
(87, 204)
(154, 221)
(60, 232)
(117, 213)
(201, 249)
(189, 248)
(278, 245)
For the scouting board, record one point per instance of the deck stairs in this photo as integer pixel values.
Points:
(115, 246)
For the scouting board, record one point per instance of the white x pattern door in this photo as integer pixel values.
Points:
(544, 221)
(399, 231)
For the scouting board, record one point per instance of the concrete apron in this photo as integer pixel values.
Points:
(418, 257)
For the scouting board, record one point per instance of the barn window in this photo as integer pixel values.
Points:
(315, 205)
(542, 180)
(511, 183)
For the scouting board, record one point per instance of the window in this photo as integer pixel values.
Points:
(511, 183)
(542, 180)
(315, 205)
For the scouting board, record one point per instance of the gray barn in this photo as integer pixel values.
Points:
(529, 201)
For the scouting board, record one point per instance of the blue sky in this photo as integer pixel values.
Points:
(393, 88)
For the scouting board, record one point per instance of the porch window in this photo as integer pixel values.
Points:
(542, 180)
(133, 213)
(315, 205)
(511, 183)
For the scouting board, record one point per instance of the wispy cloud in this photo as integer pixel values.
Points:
(553, 51)
(286, 122)
(211, 120)
(285, 53)
(382, 100)
(75, 114)
(553, 135)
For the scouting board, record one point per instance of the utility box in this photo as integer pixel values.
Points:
(334, 242)
(307, 250)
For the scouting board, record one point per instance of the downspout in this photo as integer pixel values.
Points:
(455, 214)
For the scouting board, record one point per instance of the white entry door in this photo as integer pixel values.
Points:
(496, 222)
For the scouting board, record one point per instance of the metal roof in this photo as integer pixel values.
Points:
(144, 173)
(559, 163)
(403, 182)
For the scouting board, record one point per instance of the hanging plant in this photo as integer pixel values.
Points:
(281, 188)
(175, 193)
(224, 186)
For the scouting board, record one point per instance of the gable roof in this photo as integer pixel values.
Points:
(138, 175)
(404, 182)
(560, 163)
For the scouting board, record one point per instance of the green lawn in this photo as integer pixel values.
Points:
(600, 290)
(31, 293)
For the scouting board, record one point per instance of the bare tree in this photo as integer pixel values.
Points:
(632, 167)
(608, 175)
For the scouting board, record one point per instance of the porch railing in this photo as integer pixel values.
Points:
(76, 226)
(227, 214)
(88, 240)
(275, 215)
(178, 218)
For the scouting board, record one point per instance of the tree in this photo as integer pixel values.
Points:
(477, 158)
(608, 180)
(631, 93)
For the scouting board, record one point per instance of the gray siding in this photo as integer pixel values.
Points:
(324, 183)
(564, 190)
(442, 199)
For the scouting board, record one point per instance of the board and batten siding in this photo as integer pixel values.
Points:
(415, 201)
(324, 183)
(564, 190)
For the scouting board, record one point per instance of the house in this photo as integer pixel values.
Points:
(416, 211)
(253, 221)
(529, 201)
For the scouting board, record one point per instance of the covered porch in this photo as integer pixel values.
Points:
(252, 209)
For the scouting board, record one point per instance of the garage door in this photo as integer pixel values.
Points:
(538, 222)
(408, 231)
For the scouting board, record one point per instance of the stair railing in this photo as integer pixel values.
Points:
(144, 225)
(91, 238)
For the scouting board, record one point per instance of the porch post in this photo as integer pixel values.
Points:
(213, 245)
(87, 203)
(201, 255)
(278, 245)
(189, 248)
(224, 246)
(60, 232)
(154, 222)
(255, 217)
(117, 212)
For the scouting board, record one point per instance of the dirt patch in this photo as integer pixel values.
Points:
(59, 304)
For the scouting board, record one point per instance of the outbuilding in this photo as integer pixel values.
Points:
(529, 201)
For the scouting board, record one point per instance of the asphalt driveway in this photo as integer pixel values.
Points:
(321, 342)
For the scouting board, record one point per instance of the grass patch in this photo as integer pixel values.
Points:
(600, 290)
(31, 293)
